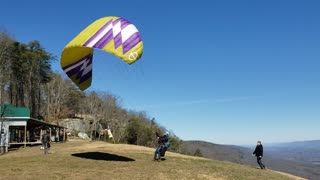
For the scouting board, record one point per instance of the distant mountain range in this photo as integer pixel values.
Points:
(302, 151)
(298, 158)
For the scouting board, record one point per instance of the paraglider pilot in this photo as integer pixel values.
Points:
(163, 144)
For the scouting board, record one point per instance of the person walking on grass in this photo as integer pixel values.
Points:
(46, 142)
(258, 152)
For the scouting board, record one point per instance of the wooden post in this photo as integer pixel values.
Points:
(64, 134)
(58, 134)
(16, 132)
(25, 136)
(50, 133)
(40, 135)
(19, 135)
(28, 136)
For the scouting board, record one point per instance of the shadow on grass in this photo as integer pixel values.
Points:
(102, 156)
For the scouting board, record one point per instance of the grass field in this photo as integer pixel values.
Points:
(98, 160)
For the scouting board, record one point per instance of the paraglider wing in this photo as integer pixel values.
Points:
(111, 34)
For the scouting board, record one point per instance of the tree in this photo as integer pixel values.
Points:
(92, 105)
(73, 100)
(5, 43)
(4, 111)
(132, 131)
(176, 143)
(113, 115)
(40, 71)
(198, 153)
(26, 79)
(29, 70)
(60, 98)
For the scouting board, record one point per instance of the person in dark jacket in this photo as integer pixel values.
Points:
(259, 154)
(161, 147)
(45, 142)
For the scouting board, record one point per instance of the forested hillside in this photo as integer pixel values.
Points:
(27, 80)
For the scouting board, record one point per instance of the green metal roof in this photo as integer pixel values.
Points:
(21, 114)
(7, 110)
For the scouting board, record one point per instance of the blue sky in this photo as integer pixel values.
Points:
(229, 72)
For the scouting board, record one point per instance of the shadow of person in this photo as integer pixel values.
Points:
(102, 156)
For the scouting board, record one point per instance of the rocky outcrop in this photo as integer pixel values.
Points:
(76, 125)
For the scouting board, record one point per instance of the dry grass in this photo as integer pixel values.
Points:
(30, 163)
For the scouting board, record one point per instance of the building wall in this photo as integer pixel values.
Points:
(5, 136)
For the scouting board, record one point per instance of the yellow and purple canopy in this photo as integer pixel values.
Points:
(111, 34)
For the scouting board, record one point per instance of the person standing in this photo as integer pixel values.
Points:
(258, 152)
(110, 135)
(45, 142)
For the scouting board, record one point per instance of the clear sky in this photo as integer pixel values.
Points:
(229, 72)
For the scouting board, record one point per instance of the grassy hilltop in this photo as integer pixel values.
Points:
(98, 160)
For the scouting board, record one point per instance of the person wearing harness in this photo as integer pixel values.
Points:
(259, 154)
(163, 144)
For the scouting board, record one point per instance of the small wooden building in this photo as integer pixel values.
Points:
(19, 129)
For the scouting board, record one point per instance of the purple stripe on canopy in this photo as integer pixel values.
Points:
(124, 24)
(97, 33)
(86, 77)
(82, 59)
(117, 40)
(116, 21)
(104, 40)
(131, 42)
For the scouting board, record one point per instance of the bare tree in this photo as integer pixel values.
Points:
(93, 106)
(55, 96)
(4, 111)
(113, 115)
(5, 42)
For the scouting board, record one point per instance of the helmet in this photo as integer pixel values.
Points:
(167, 133)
